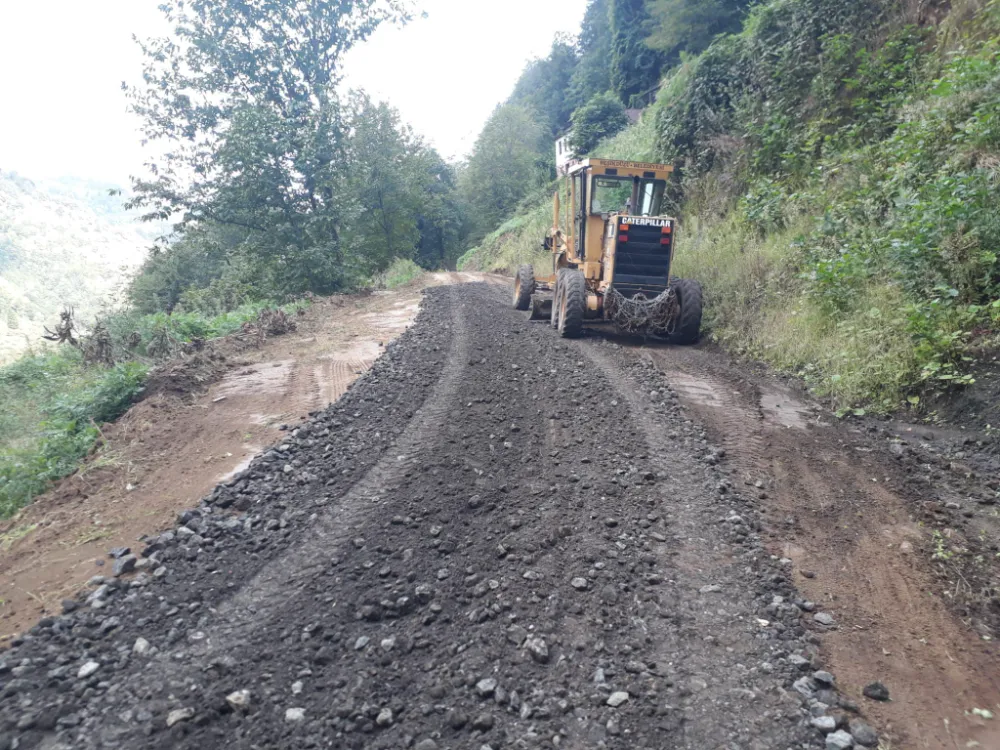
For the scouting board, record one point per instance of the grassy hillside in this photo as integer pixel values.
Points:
(837, 169)
(56, 400)
(65, 244)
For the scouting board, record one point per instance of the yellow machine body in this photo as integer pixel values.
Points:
(590, 236)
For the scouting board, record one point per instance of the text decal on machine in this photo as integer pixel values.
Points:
(646, 221)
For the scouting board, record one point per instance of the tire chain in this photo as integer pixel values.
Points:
(639, 315)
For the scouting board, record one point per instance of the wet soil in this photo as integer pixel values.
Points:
(849, 505)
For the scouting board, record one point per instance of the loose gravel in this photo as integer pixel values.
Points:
(495, 539)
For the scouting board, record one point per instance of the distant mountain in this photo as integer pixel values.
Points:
(62, 243)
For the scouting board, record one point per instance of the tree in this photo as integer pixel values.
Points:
(690, 25)
(505, 165)
(635, 68)
(242, 100)
(600, 118)
(593, 70)
(387, 176)
(443, 220)
(544, 86)
(202, 256)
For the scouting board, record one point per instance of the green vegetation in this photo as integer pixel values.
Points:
(275, 183)
(635, 66)
(505, 166)
(600, 118)
(837, 167)
(56, 401)
(400, 272)
(517, 241)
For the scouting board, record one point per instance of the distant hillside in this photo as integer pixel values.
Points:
(64, 242)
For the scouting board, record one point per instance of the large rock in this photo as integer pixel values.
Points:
(839, 740)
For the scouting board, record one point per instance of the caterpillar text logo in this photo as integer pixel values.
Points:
(646, 221)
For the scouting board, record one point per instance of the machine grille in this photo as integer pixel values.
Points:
(642, 260)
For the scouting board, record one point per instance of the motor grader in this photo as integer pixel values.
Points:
(611, 255)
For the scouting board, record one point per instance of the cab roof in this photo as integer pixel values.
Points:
(612, 167)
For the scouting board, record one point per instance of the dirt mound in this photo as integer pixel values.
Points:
(187, 375)
(202, 363)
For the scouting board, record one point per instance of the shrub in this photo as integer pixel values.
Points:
(399, 273)
(600, 118)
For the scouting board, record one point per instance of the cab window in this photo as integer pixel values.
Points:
(611, 195)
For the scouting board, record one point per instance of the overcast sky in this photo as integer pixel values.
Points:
(62, 62)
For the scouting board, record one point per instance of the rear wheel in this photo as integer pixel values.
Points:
(687, 329)
(524, 287)
(572, 305)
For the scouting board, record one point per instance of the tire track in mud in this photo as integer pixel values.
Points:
(736, 421)
(829, 509)
(334, 376)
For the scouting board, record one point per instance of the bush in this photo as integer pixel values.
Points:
(400, 272)
(69, 429)
(600, 118)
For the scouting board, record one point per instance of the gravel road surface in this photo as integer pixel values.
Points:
(495, 539)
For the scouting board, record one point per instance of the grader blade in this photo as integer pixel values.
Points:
(541, 307)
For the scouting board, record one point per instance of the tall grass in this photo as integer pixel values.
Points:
(759, 307)
(401, 271)
(516, 242)
(57, 403)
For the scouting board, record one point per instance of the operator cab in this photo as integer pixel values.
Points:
(620, 236)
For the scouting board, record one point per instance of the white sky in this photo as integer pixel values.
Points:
(62, 62)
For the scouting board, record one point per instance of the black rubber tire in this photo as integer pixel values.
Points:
(524, 287)
(688, 327)
(554, 319)
(573, 305)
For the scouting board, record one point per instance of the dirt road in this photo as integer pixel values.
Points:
(500, 539)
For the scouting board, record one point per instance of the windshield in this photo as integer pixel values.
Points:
(614, 195)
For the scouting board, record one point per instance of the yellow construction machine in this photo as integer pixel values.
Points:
(611, 255)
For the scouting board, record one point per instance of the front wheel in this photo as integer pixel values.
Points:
(524, 287)
(572, 304)
(687, 329)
